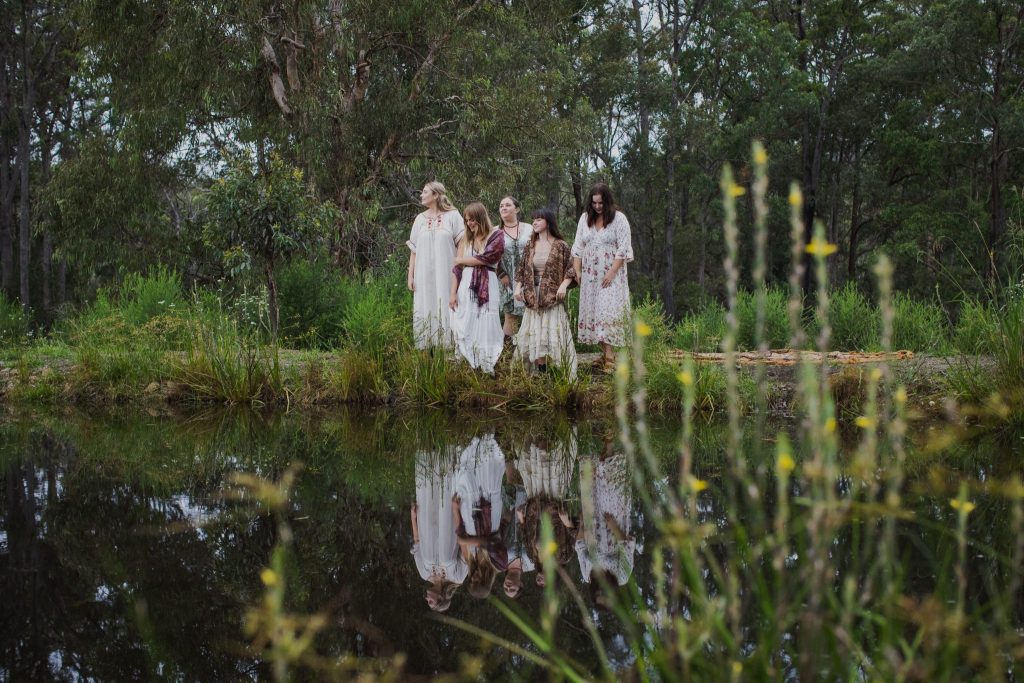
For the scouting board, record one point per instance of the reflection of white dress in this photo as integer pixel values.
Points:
(437, 553)
(548, 472)
(611, 496)
(433, 241)
(481, 469)
(478, 334)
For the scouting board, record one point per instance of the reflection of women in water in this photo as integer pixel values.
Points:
(605, 548)
(435, 548)
(478, 513)
(547, 474)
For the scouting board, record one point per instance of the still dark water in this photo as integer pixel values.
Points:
(121, 559)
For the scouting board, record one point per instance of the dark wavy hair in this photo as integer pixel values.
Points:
(609, 208)
(549, 216)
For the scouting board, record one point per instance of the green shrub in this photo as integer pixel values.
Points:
(856, 323)
(379, 320)
(143, 297)
(313, 298)
(918, 325)
(14, 322)
(702, 330)
(977, 328)
(776, 320)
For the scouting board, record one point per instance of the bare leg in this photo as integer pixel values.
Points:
(509, 326)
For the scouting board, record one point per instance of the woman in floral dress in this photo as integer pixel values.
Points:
(602, 248)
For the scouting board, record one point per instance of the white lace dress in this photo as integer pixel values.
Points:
(477, 329)
(610, 496)
(480, 473)
(433, 240)
(604, 311)
(437, 553)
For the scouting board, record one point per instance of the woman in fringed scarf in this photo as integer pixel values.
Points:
(475, 297)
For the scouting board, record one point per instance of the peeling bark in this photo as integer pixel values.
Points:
(276, 84)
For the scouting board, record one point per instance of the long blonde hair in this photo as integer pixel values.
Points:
(443, 203)
(477, 212)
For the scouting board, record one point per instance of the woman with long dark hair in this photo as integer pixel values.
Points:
(602, 248)
(543, 279)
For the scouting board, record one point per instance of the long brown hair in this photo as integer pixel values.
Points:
(481, 574)
(564, 537)
(477, 212)
(609, 208)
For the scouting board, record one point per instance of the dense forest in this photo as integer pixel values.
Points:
(223, 138)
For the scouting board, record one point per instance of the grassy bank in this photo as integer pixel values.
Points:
(348, 340)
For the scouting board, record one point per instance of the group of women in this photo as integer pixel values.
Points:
(466, 273)
(478, 515)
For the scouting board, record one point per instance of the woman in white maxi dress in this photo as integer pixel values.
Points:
(432, 242)
(475, 297)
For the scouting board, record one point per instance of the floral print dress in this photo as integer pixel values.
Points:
(604, 311)
(515, 249)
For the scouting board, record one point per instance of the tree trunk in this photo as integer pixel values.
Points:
(268, 271)
(7, 188)
(851, 257)
(24, 163)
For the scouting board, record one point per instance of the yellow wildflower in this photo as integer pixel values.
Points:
(865, 422)
(796, 198)
(550, 549)
(830, 425)
(737, 668)
(964, 506)
(622, 370)
(760, 156)
(786, 462)
(698, 485)
(876, 374)
(269, 577)
(900, 395)
(736, 190)
(686, 378)
(820, 247)
(643, 329)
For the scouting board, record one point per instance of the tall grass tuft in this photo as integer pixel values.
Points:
(856, 323)
(775, 321)
(919, 326)
(226, 363)
(701, 330)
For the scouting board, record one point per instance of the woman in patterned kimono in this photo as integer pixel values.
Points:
(601, 250)
(432, 242)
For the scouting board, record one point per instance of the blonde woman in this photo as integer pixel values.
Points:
(474, 296)
(435, 236)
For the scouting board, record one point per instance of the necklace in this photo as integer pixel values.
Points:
(506, 228)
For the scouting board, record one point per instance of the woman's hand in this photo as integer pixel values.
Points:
(506, 281)
(453, 303)
(412, 281)
(609, 278)
(562, 292)
(518, 296)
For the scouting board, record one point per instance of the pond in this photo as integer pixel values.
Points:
(121, 557)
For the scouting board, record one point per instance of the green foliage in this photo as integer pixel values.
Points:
(977, 328)
(918, 326)
(313, 298)
(144, 297)
(776, 321)
(15, 323)
(856, 324)
(703, 329)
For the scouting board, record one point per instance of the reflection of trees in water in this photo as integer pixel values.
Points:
(102, 562)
